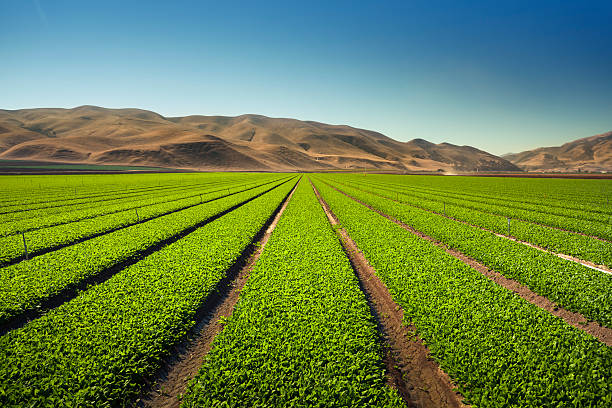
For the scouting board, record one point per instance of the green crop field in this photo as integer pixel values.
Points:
(304, 290)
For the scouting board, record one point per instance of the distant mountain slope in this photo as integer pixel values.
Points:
(90, 134)
(592, 153)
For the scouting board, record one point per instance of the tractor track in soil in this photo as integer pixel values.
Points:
(409, 366)
(577, 320)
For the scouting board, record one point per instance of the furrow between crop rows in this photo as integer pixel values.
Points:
(410, 368)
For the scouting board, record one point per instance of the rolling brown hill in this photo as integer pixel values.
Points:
(592, 153)
(90, 134)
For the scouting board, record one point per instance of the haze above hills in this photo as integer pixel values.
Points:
(90, 134)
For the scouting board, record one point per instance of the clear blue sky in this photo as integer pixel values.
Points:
(499, 75)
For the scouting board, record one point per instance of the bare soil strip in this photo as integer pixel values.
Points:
(588, 264)
(72, 291)
(409, 366)
(186, 359)
(577, 320)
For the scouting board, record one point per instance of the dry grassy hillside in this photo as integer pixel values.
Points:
(592, 153)
(90, 134)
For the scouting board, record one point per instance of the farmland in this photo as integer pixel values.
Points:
(313, 290)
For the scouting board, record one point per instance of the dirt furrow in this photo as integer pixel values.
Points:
(588, 264)
(577, 320)
(186, 359)
(410, 368)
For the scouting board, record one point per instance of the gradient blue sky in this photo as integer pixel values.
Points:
(499, 75)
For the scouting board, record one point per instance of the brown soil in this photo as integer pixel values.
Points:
(577, 320)
(172, 380)
(410, 368)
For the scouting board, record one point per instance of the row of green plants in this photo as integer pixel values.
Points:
(60, 212)
(500, 350)
(572, 220)
(26, 198)
(13, 247)
(24, 193)
(578, 194)
(302, 334)
(29, 283)
(567, 283)
(100, 348)
(65, 215)
(102, 199)
(580, 246)
(552, 205)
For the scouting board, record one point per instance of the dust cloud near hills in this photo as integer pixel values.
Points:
(94, 135)
(589, 154)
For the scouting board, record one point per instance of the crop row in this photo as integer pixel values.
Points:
(581, 195)
(599, 227)
(68, 215)
(75, 204)
(580, 246)
(500, 203)
(301, 334)
(68, 210)
(22, 212)
(96, 350)
(501, 350)
(23, 198)
(28, 199)
(27, 284)
(553, 205)
(13, 247)
(571, 285)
